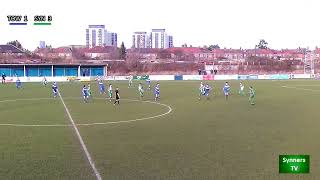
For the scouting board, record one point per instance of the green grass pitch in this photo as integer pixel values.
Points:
(197, 140)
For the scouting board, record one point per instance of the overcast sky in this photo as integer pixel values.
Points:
(229, 23)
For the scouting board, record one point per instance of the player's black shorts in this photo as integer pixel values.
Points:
(117, 98)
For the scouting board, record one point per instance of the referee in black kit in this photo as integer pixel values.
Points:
(117, 97)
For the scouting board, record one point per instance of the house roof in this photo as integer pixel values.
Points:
(228, 51)
(145, 50)
(54, 50)
(289, 51)
(97, 49)
(261, 51)
(62, 50)
(8, 48)
(188, 50)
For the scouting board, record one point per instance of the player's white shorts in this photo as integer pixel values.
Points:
(242, 88)
(226, 93)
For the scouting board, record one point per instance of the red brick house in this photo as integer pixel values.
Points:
(99, 52)
(230, 54)
(317, 54)
(146, 53)
(267, 53)
(9, 49)
(291, 54)
(61, 52)
(190, 53)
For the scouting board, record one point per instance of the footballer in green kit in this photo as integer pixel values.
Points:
(252, 95)
(110, 91)
(141, 91)
(201, 90)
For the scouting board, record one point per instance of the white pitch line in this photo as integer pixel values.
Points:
(36, 125)
(84, 147)
(31, 99)
(289, 87)
(87, 124)
(133, 120)
(309, 85)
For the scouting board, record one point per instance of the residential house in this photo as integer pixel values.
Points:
(190, 53)
(317, 54)
(291, 54)
(11, 50)
(61, 52)
(230, 54)
(100, 52)
(146, 53)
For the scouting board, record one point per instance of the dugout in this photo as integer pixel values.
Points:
(53, 70)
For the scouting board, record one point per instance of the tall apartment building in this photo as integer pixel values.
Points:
(111, 39)
(170, 41)
(157, 38)
(97, 35)
(42, 44)
(140, 40)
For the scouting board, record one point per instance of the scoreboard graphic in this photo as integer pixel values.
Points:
(23, 20)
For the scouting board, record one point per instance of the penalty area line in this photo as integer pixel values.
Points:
(83, 145)
(308, 85)
(304, 89)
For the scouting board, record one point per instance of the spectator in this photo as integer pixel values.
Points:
(204, 72)
(3, 78)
